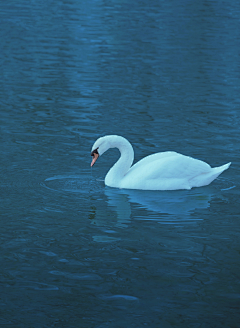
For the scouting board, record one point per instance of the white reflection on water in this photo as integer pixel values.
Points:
(176, 204)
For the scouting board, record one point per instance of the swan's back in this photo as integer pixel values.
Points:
(169, 165)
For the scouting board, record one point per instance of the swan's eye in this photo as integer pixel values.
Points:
(95, 151)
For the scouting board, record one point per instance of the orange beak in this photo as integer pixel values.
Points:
(95, 157)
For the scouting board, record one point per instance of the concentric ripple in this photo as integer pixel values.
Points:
(73, 183)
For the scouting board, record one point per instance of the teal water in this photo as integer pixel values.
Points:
(74, 253)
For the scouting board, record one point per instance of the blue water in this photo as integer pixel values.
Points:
(74, 253)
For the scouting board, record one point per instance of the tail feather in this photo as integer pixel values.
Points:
(222, 168)
(206, 178)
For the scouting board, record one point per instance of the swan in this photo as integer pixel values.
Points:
(160, 171)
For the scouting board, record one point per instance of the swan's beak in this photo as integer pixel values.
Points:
(95, 157)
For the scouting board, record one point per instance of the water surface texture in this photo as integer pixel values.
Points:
(74, 253)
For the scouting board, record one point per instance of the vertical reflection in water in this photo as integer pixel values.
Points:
(174, 205)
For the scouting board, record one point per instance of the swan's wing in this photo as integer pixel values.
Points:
(170, 166)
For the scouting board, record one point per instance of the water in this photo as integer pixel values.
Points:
(75, 253)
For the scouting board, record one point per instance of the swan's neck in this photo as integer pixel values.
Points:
(121, 167)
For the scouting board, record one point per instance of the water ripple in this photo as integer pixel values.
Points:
(72, 183)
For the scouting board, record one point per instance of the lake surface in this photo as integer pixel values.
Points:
(74, 253)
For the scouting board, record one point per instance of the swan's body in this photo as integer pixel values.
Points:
(161, 171)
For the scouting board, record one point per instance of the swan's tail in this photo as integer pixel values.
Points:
(206, 178)
(218, 170)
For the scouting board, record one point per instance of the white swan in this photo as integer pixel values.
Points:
(161, 171)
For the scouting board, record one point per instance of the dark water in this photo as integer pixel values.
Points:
(74, 253)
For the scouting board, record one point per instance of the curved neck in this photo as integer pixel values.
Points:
(121, 167)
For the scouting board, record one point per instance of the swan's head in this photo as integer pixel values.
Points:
(100, 146)
(103, 144)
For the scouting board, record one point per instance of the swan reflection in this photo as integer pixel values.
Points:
(170, 205)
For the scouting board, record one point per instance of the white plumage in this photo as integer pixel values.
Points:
(161, 171)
